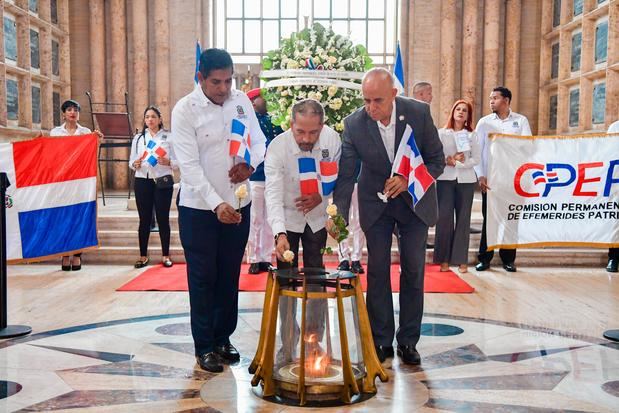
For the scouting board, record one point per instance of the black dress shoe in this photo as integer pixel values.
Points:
(210, 362)
(429, 245)
(384, 352)
(509, 267)
(482, 266)
(612, 265)
(344, 266)
(264, 266)
(357, 268)
(409, 355)
(228, 353)
(254, 268)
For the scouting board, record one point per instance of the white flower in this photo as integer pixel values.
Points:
(332, 210)
(316, 60)
(302, 63)
(288, 256)
(339, 126)
(335, 104)
(285, 93)
(332, 59)
(241, 192)
(312, 95)
(332, 90)
(292, 64)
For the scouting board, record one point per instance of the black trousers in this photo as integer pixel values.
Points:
(316, 309)
(508, 256)
(146, 195)
(613, 253)
(213, 252)
(413, 234)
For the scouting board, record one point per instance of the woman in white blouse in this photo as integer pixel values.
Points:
(153, 161)
(71, 114)
(456, 187)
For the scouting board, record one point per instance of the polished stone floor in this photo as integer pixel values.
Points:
(136, 355)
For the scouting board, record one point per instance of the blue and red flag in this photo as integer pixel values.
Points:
(308, 176)
(240, 141)
(328, 176)
(52, 200)
(409, 163)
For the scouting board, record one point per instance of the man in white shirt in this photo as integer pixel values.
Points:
(297, 192)
(210, 135)
(613, 253)
(501, 120)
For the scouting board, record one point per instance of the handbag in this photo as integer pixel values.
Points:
(164, 182)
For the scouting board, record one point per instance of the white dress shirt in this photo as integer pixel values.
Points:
(463, 172)
(513, 124)
(62, 131)
(387, 133)
(201, 133)
(281, 168)
(138, 146)
(614, 127)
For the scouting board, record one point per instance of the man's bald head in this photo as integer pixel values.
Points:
(379, 93)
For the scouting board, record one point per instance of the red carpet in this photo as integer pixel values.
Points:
(159, 278)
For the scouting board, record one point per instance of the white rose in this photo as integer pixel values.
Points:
(292, 64)
(284, 93)
(332, 210)
(339, 126)
(302, 63)
(332, 59)
(288, 256)
(332, 90)
(241, 192)
(335, 104)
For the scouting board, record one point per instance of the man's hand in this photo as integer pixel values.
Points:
(281, 245)
(306, 203)
(137, 164)
(240, 172)
(395, 185)
(99, 134)
(163, 161)
(483, 184)
(450, 161)
(332, 229)
(459, 157)
(227, 215)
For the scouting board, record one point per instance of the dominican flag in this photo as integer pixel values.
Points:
(198, 53)
(398, 71)
(240, 141)
(52, 200)
(308, 176)
(409, 163)
(328, 176)
(152, 152)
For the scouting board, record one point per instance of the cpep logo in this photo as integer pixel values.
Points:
(558, 175)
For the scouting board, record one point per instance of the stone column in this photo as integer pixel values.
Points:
(471, 44)
(25, 81)
(162, 58)
(448, 60)
(512, 49)
(529, 63)
(118, 79)
(97, 67)
(140, 60)
(492, 31)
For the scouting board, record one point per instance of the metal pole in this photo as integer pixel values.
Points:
(6, 331)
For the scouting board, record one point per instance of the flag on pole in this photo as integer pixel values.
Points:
(409, 163)
(198, 53)
(240, 141)
(52, 200)
(398, 71)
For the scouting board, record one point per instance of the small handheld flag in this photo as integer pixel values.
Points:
(240, 141)
(409, 163)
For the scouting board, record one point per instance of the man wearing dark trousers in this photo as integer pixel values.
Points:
(213, 222)
(296, 206)
(373, 134)
(501, 120)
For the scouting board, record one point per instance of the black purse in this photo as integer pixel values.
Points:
(164, 182)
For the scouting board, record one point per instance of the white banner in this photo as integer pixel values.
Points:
(331, 74)
(553, 191)
(307, 81)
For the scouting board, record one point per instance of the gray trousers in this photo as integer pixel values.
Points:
(452, 241)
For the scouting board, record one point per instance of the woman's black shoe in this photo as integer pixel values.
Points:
(167, 263)
(76, 267)
(65, 267)
(141, 263)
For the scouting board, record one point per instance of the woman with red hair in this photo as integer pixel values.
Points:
(456, 187)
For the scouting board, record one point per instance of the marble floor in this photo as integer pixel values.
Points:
(525, 342)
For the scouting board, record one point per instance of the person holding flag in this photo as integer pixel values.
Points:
(401, 154)
(151, 158)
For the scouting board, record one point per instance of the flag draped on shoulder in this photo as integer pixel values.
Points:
(308, 176)
(52, 198)
(409, 163)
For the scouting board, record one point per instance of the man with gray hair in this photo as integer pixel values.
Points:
(297, 193)
(372, 135)
(423, 91)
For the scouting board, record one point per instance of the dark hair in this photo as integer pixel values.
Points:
(505, 92)
(70, 104)
(144, 127)
(309, 107)
(468, 123)
(214, 59)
